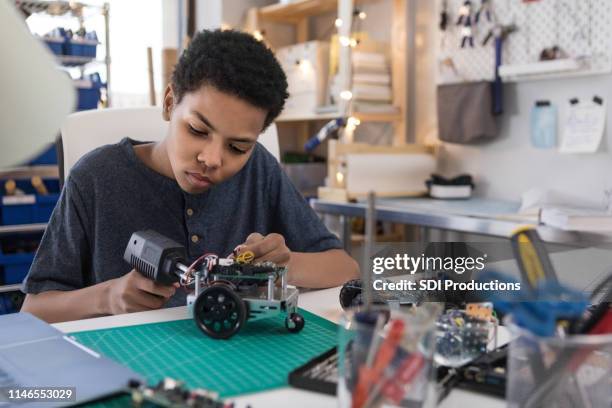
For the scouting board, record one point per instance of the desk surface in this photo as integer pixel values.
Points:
(476, 215)
(321, 302)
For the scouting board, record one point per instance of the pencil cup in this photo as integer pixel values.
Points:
(385, 357)
(574, 371)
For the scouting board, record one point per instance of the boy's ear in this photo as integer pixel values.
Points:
(168, 104)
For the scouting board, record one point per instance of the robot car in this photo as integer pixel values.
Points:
(226, 291)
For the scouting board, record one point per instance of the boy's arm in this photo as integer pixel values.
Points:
(322, 269)
(129, 293)
(317, 270)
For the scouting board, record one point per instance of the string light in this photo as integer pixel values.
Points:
(362, 15)
(338, 22)
(305, 66)
(259, 35)
(344, 41)
(353, 121)
(346, 95)
(340, 177)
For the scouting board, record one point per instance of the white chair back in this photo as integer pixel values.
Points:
(84, 131)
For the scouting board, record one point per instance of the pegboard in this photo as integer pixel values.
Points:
(578, 27)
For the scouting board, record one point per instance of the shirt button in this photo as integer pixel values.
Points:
(189, 212)
(195, 238)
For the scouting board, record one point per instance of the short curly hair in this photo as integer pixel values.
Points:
(236, 63)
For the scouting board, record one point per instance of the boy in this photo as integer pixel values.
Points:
(208, 185)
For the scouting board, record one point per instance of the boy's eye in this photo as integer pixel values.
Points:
(197, 132)
(238, 150)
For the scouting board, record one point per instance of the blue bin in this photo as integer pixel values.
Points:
(56, 44)
(80, 47)
(46, 157)
(28, 209)
(88, 90)
(16, 267)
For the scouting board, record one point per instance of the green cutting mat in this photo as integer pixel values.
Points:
(258, 358)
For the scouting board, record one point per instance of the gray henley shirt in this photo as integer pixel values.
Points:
(110, 194)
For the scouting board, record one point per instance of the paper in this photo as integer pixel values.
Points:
(583, 128)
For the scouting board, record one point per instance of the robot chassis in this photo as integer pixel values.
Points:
(227, 291)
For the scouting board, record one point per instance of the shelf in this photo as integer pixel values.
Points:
(10, 288)
(76, 61)
(22, 229)
(298, 10)
(43, 171)
(302, 117)
(377, 117)
(54, 8)
(364, 117)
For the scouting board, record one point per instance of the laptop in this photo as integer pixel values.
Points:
(34, 354)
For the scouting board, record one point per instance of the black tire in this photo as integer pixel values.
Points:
(219, 312)
(294, 322)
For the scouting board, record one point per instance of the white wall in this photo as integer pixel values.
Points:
(509, 165)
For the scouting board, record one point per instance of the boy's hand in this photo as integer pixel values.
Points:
(269, 248)
(135, 293)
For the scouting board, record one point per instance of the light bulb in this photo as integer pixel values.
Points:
(346, 95)
(344, 41)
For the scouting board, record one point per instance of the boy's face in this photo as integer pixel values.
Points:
(211, 136)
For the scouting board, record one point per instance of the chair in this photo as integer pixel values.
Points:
(84, 131)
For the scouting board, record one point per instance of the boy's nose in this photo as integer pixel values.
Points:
(211, 156)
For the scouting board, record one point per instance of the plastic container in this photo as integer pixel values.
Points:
(88, 90)
(16, 267)
(558, 372)
(28, 209)
(55, 44)
(390, 364)
(82, 46)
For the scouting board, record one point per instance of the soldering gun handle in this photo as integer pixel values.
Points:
(155, 256)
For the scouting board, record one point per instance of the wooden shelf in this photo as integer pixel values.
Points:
(377, 117)
(362, 116)
(304, 117)
(297, 10)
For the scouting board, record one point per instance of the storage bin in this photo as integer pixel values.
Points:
(81, 47)
(88, 90)
(16, 267)
(28, 209)
(11, 302)
(56, 44)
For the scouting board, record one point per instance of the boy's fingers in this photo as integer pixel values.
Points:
(253, 238)
(148, 301)
(270, 243)
(151, 287)
(280, 256)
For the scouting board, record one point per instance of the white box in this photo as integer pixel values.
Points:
(307, 68)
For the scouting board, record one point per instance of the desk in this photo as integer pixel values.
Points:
(476, 216)
(321, 302)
